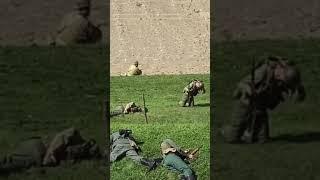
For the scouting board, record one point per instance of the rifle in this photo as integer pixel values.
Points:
(252, 102)
(145, 109)
(194, 152)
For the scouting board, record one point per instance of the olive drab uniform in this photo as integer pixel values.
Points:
(131, 107)
(173, 159)
(27, 154)
(268, 92)
(191, 90)
(77, 29)
(134, 70)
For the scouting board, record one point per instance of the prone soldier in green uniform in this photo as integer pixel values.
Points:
(123, 144)
(174, 159)
(270, 84)
(191, 90)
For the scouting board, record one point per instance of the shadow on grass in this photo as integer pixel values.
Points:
(202, 105)
(299, 138)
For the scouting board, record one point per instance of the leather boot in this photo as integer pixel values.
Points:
(151, 164)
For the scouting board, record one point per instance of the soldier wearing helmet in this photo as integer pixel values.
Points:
(191, 90)
(274, 81)
(76, 27)
(174, 159)
(134, 69)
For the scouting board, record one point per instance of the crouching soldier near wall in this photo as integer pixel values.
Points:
(174, 159)
(32, 152)
(191, 90)
(123, 144)
(269, 84)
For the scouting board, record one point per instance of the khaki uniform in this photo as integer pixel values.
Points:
(269, 93)
(133, 71)
(189, 92)
(131, 107)
(76, 29)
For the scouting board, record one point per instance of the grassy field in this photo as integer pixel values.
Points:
(295, 128)
(189, 127)
(45, 90)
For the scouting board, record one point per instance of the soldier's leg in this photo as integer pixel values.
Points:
(184, 99)
(239, 123)
(191, 103)
(132, 154)
(175, 163)
(117, 111)
(262, 127)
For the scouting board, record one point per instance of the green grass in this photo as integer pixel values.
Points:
(45, 90)
(189, 127)
(294, 153)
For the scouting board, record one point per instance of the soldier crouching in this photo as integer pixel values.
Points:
(191, 90)
(272, 82)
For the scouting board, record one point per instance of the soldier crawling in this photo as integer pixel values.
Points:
(66, 145)
(174, 159)
(270, 84)
(131, 107)
(122, 144)
(191, 90)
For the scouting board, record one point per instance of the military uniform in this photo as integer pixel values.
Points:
(173, 159)
(76, 28)
(27, 154)
(191, 90)
(131, 107)
(124, 145)
(252, 101)
(134, 70)
(66, 145)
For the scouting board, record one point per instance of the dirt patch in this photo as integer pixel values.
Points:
(166, 37)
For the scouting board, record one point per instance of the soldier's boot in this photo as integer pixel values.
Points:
(151, 164)
(190, 177)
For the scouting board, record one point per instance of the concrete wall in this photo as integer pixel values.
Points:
(165, 36)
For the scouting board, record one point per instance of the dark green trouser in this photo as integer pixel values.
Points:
(241, 121)
(174, 162)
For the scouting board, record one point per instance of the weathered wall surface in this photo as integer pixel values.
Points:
(261, 19)
(27, 22)
(167, 36)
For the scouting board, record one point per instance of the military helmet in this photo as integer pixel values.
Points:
(83, 4)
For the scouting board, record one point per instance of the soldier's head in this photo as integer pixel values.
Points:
(136, 63)
(200, 86)
(83, 7)
(125, 132)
